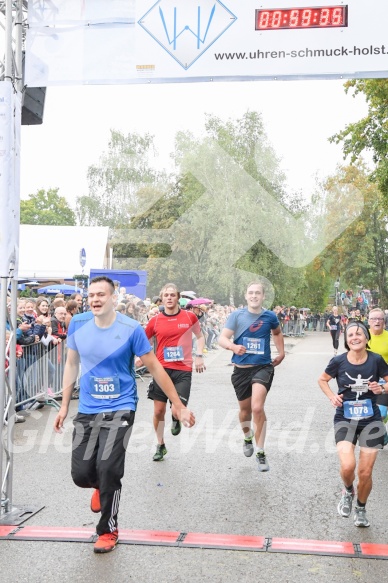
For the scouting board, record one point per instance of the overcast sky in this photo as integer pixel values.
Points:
(299, 116)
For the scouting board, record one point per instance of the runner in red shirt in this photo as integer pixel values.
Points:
(173, 330)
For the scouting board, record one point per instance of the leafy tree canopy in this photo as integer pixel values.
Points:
(123, 183)
(370, 134)
(46, 208)
(209, 210)
(360, 254)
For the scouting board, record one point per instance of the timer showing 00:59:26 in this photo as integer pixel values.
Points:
(309, 17)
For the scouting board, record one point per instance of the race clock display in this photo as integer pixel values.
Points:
(308, 17)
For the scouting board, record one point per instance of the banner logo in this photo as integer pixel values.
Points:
(187, 29)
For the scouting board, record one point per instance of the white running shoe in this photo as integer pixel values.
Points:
(360, 518)
(262, 462)
(345, 504)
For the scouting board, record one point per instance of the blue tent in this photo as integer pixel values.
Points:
(135, 282)
(60, 288)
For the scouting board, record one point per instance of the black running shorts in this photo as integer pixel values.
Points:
(368, 433)
(182, 382)
(243, 379)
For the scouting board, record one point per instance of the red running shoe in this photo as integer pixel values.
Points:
(95, 504)
(106, 542)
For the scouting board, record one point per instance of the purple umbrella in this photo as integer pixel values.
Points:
(199, 301)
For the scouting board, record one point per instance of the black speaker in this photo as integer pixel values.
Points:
(32, 103)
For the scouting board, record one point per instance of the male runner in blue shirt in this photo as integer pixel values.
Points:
(105, 343)
(253, 373)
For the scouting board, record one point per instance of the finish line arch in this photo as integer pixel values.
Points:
(231, 43)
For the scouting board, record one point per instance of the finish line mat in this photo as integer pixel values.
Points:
(200, 540)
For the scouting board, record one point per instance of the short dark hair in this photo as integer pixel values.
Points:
(103, 278)
(71, 305)
(73, 296)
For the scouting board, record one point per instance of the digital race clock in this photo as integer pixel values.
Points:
(309, 17)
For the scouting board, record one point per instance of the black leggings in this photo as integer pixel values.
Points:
(335, 334)
(98, 457)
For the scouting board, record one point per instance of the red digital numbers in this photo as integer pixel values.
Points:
(307, 15)
(325, 17)
(310, 17)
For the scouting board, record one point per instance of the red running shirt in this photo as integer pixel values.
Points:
(172, 332)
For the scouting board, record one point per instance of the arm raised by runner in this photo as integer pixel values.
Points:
(69, 378)
(163, 380)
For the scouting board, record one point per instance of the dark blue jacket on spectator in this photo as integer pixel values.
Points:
(36, 329)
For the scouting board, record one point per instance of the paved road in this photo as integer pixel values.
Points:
(205, 484)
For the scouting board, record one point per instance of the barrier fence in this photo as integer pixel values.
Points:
(299, 327)
(39, 372)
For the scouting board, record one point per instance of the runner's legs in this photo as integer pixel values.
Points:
(259, 395)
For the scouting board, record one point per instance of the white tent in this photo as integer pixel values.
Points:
(50, 252)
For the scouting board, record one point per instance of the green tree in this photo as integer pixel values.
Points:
(360, 254)
(122, 184)
(162, 215)
(210, 213)
(46, 208)
(371, 132)
(315, 285)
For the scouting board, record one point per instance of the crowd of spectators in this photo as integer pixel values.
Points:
(211, 316)
(42, 325)
(295, 321)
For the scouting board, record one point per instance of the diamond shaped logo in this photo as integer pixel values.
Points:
(187, 29)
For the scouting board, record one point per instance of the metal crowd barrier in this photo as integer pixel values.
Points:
(39, 373)
(299, 327)
(294, 328)
(318, 325)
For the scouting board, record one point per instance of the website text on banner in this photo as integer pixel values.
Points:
(168, 41)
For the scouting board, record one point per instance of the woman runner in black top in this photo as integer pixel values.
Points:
(357, 416)
(335, 326)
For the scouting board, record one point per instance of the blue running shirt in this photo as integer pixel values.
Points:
(253, 331)
(107, 357)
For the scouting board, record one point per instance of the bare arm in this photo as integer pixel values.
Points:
(225, 341)
(278, 340)
(376, 388)
(166, 384)
(199, 364)
(323, 381)
(152, 341)
(69, 377)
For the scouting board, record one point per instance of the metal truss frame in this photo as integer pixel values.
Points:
(13, 23)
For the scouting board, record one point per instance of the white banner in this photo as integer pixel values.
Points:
(129, 41)
(10, 120)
